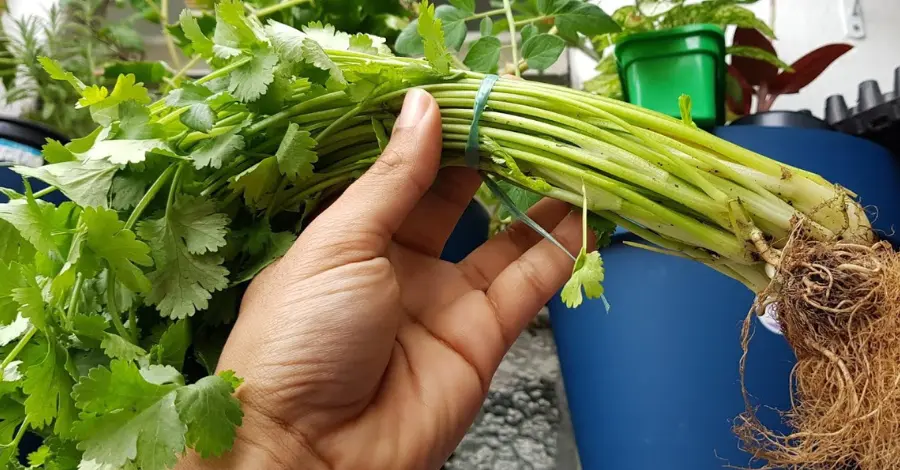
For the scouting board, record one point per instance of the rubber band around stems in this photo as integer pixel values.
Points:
(473, 158)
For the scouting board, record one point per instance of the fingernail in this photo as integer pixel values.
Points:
(415, 105)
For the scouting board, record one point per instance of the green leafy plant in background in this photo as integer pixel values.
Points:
(540, 31)
(656, 15)
(75, 34)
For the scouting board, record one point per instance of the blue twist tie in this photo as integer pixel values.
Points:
(473, 157)
(481, 98)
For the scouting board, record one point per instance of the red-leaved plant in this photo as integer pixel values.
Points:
(748, 77)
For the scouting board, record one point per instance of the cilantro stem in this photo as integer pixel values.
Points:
(45, 191)
(264, 12)
(112, 306)
(148, 197)
(173, 188)
(170, 42)
(184, 70)
(18, 437)
(224, 71)
(478, 16)
(513, 40)
(23, 341)
(72, 309)
(533, 20)
(132, 323)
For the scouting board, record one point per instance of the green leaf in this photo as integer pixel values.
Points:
(219, 150)
(467, 6)
(86, 183)
(199, 42)
(296, 155)
(586, 19)
(251, 80)
(759, 54)
(39, 457)
(588, 272)
(184, 280)
(234, 31)
(34, 221)
(125, 151)
(275, 246)
(118, 347)
(55, 152)
(315, 55)
(484, 55)
(144, 72)
(30, 298)
(48, 388)
(409, 43)
(127, 419)
(429, 27)
(199, 117)
(56, 72)
(542, 51)
(173, 345)
(108, 239)
(528, 32)
(486, 28)
(453, 22)
(211, 414)
(135, 124)
(258, 183)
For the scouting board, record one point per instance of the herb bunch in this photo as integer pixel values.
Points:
(114, 306)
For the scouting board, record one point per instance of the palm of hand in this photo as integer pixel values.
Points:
(365, 348)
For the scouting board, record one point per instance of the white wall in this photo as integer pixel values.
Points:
(804, 25)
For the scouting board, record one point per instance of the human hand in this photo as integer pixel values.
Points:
(361, 349)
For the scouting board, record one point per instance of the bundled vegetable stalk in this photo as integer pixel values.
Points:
(177, 204)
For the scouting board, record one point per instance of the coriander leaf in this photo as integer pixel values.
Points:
(90, 326)
(108, 239)
(486, 28)
(152, 72)
(86, 183)
(188, 94)
(55, 152)
(484, 55)
(211, 414)
(542, 51)
(135, 123)
(182, 281)
(127, 89)
(218, 150)
(92, 95)
(467, 6)
(429, 27)
(287, 41)
(314, 55)
(56, 72)
(603, 230)
(30, 298)
(258, 182)
(48, 388)
(12, 247)
(123, 152)
(296, 155)
(39, 457)
(586, 19)
(528, 32)
(251, 80)
(161, 375)
(199, 117)
(233, 28)
(173, 345)
(127, 419)
(199, 42)
(453, 22)
(34, 221)
(198, 224)
(117, 347)
(588, 273)
(362, 43)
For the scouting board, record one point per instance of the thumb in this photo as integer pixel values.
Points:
(373, 208)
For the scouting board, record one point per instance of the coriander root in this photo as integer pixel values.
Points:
(839, 308)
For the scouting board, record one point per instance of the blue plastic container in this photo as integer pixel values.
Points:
(654, 383)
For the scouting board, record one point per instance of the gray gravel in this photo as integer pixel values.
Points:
(521, 426)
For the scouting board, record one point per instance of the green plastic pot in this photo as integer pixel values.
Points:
(659, 66)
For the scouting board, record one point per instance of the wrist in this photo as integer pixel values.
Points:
(260, 442)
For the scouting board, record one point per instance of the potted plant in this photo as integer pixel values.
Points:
(671, 48)
(751, 80)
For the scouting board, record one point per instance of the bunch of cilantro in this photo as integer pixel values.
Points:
(114, 306)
